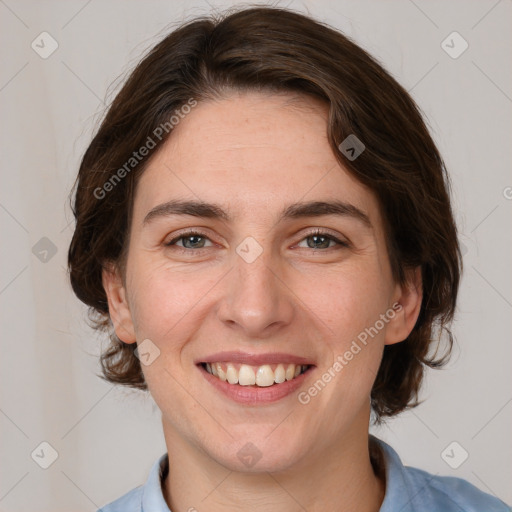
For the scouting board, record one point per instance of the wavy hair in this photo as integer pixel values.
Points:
(277, 50)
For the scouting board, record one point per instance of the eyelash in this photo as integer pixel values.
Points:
(316, 232)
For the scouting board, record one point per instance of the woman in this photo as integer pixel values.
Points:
(264, 227)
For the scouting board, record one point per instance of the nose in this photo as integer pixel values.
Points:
(257, 301)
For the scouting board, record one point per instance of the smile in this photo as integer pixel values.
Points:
(265, 375)
(255, 379)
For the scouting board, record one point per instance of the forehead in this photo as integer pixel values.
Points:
(251, 152)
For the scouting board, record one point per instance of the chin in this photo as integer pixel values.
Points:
(259, 454)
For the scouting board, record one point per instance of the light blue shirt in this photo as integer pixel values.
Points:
(407, 490)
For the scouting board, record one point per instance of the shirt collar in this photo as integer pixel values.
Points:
(398, 495)
(152, 495)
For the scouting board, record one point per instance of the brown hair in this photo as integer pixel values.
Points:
(274, 49)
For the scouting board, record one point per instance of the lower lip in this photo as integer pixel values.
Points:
(254, 395)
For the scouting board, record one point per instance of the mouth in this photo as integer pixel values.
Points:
(255, 380)
(262, 376)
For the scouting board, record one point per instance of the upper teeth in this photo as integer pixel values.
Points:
(263, 375)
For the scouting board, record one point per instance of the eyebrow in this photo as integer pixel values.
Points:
(292, 211)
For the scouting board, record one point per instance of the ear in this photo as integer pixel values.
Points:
(407, 299)
(118, 305)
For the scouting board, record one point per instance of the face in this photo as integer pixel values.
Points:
(266, 284)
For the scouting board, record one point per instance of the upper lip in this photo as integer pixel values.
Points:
(254, 359)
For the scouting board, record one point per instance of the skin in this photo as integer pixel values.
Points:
(254, 154)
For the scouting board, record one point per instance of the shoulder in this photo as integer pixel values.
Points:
(447, 494)
(129, 502)
(409, 489)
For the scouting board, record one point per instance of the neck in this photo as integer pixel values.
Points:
(338, 478)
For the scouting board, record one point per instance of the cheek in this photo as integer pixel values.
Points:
(163, 300)
(350, 300)
(360, 301)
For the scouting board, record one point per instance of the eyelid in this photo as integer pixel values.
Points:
(188, 232)
(340, 241)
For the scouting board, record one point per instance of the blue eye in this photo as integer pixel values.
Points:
(196, 240)
(319, 237)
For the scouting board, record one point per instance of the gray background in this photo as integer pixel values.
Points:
(108, 438)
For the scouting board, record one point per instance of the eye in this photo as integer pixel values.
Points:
(191, 240)
(321, 240)
(196, 240)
